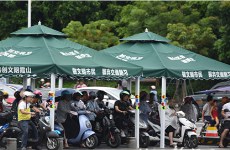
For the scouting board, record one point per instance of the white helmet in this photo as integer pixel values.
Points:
(27, 93)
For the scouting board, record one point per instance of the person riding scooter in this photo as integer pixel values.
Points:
(76, 103)
(121, 107)
(93, 107)
(63, 109)
(226, 114)
(24, 118)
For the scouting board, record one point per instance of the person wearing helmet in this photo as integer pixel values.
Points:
(93, 107)
(121, 107)
(24, 117)
(100, 97)
(76, 103)
(5, 97)
(38, 100)
(63, 109)
(2, 106)
(85, 97)
(14, 107)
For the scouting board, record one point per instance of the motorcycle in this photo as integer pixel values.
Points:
(130, 128)
(221, 129)
(106, 130)
(7, 128)
(81, 130)
(45, 134)
(185, 135)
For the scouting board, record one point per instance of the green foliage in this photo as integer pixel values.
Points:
(97, 35)
(200, 26)
(13, 17)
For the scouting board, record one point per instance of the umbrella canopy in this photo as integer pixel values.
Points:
(39, 51)
(159, 58)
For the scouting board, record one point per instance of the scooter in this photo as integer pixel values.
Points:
(130, 128)
(81, 130)
(45, 134)
(185, 135)
(7, 128)
(106, 130)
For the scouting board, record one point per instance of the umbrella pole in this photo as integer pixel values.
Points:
(52, 108)
(24, 82)
(162, 112)
(60, 83)
(137, 116)
(29, 13)
(130, 85)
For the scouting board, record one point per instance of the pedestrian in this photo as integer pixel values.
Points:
(206, 113)
(119, 85)
(153, 91)
(224, 100)
(145, 109)
(226, 115)
(81, 84)
(41, 84)
(214, 114)
(154, 106)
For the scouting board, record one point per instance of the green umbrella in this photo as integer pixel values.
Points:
(39, 51)
(159, 58)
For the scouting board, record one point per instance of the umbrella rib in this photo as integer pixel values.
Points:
(48, 50)
(158, 55)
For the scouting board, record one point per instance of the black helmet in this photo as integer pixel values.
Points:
(78, 93)
(100, 93)
(124, 93)
(92, 95)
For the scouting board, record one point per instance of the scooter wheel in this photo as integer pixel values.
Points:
(91, 142)
(191, 142)
(52, 144)
(113, 140)
(144, 141)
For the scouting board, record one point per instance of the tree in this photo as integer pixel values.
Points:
(13, 17)
(222, 45)
(194, 37)
(97, 35)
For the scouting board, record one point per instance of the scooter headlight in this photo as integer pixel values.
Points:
(88, 124)
(47, 119)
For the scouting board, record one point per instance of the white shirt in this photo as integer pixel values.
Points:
(227, 106)
(23, 105)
